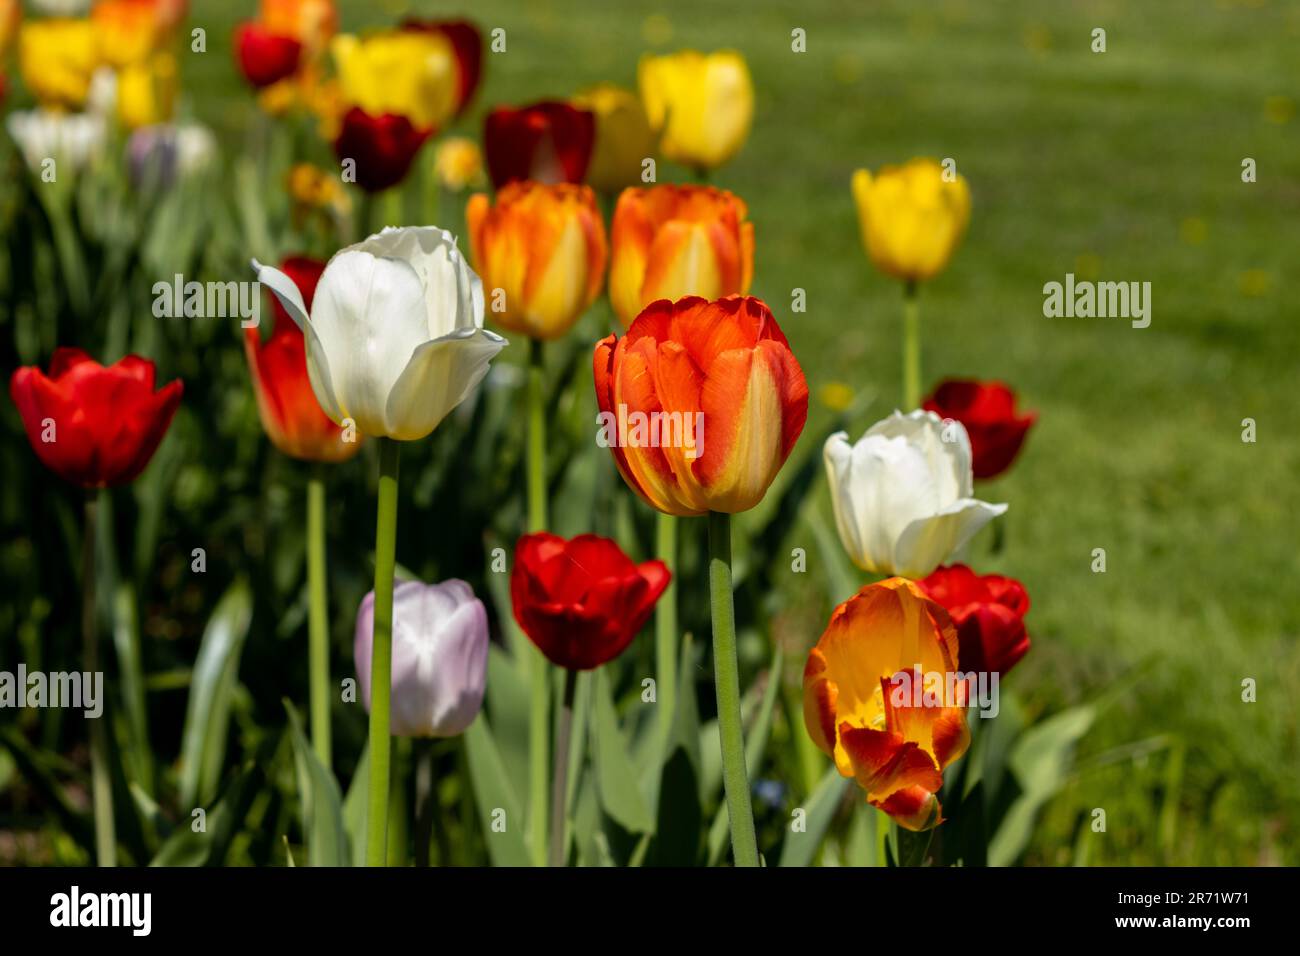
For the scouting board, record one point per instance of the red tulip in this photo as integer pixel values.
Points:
(467, 43)
(265, 57)
(94, 425)
(549, 142)
(285, 401)
(382, 146)
(988, 410)
(582, 601)
(989, 613)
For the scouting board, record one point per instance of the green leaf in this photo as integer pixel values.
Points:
(126, 639)
(616, 780)
(1040, 761)
(322, 804)
(207, 714)
(679, 814)
(494, 795)
(801, 847)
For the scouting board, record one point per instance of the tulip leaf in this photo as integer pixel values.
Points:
(616, 781)
(679, 813)
(212, 689)
(356, 802)
(1040, 761)
(756, 738)
(499, 808)
(126, 639)
(508, 698)
(322, 804)
(801, 845)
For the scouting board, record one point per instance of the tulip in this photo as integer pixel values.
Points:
(127, 31)
(146, 91)
(93, 425)
(285, 402)
(265, 57)
(395, 338)
(162, 154)
(57, 58)
(912, 217)
(72, 140)
(902, 494)
(458, 164)
(440, 651)
(467, 47)
(988, 412)
(406, 73)
(581, 601)
(383, 147)
(311, 22)
(726, 361)
(624, 139)
(674, 241)
(547, 142)
(988, 612)
(894, 748)
(544, 248)
(701, 104)
(11, 15)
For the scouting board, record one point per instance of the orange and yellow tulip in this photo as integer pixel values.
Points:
(724, 398)
(127, 31)
(673, 241)
(861, 709)
(543, 247)
(912, 217)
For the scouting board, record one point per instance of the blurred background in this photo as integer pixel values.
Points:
(1123, 166)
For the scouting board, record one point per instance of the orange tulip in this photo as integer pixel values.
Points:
(311, 22)
(540, 252)
(673, 241)
(701, 403)
(864, 707)
(127, 31)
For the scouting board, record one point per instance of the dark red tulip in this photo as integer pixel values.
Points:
(467, 44)
(382, 146)
(264, 57)
(94, 425)
(582, 601)
(988, 410)
(549, 142)
(989, 613)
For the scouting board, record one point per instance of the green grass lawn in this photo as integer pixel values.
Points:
(1123, 165)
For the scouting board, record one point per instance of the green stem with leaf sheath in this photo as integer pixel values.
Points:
(726, 679)
(911, 348)
(539, 717)
(666, 627)
(381, 655)
(318, 654)
(101, 780)
(560, 788)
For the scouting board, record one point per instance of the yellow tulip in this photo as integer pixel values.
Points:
(624, 138)
(403, 72)
(146, 92)
(57, 58)
(912, 218)
(701, 104)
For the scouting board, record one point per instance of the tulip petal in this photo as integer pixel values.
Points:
(438, 377)
(926, 542)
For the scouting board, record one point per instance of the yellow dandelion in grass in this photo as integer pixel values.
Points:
(1255, 283)
(837, 396)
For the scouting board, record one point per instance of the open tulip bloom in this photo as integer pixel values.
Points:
(725, 373)
(96, 426)
(902, 494)
(395, 341)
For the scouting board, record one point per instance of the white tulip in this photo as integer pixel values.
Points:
(395, 339)
(902, 494)
(72, 140)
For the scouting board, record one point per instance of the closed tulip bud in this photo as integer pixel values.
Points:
(265, 57)
(544, 248)
(701, 104)
(701, 403)
(128, 31)
(11, 15)
(57, 58)
(912, 219)
(989, 614)
(884, 646)
(988, 412)
(902, 494)
(395, 337)
(146, 91)
(407, 73)
(624, 139)
(94, 425)
(547, 142)
(466, 46)
(674, 241)
(311, 22)
(383, 147)
(440, 651)
(73, 140)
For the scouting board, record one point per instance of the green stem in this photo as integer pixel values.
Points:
(666, 627)
(318, 653)
(911, 348)
(539, 717)
(537, 519)
(381, 655)
(560, 788)
(726, 678)
(101, 782)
